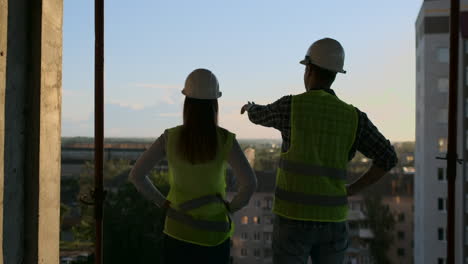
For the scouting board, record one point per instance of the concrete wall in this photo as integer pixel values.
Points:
(31, 191)
(47, 231)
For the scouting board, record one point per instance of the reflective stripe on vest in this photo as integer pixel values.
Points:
(181, 216)
(310, 199)
(313, 170)
(198, 223)
(199, 202)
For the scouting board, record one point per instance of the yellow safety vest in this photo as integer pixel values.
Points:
(311, 178)
(198, 214)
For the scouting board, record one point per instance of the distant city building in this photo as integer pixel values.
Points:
(432, 85)
(401, 251)
(252, 239)
(359, 233)
(75, 156)
(402, 207)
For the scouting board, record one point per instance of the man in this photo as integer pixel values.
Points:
(320, 135)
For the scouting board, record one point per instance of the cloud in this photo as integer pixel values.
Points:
(168, 99)
(174, 114)
(133, 106)
(77, 105)
(113, 131)
(140, 115)
(157, 86)
(159, 94)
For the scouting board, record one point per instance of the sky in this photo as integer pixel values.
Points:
(252, 46)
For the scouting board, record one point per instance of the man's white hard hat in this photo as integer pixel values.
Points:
(326, 53)
(201, 84)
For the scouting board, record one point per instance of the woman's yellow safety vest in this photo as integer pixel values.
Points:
(311, 178)
(198, 214)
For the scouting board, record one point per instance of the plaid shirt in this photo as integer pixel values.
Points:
(369, 141)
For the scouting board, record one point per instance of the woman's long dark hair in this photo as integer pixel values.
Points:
(198, 139)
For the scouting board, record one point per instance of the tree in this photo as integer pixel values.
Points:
(132, 226)
(266, 158)
(69, 189)
(64, 211)
(382, 224)
(113, 170)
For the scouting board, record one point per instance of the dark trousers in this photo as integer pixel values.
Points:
(177, 251)
(294, 241)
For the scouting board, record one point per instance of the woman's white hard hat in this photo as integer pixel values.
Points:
(201, 84)
(326, 53)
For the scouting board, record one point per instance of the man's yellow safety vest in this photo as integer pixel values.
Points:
(311, 178)
(198, 214)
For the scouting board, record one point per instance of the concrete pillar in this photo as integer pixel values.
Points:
(32, 132)
(17, 55)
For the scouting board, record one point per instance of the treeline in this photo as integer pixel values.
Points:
(132, 228)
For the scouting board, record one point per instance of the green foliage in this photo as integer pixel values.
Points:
(64, 211)
(266, 159)
(69, 189)
(132, 226)
(75, 245)
(159, 178)
(382, 223)
(84, 260)
(84, 231)
(112, 170)
(90, 140)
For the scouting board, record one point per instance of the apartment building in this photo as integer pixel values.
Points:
(432, 71)
(251, 242)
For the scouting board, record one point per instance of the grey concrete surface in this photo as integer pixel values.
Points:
(31, 191)
(16, 86)
(50, 132)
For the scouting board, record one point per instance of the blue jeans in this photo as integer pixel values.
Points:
(294, 241)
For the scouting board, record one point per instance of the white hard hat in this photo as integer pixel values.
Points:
(326, 53)
(201, 84)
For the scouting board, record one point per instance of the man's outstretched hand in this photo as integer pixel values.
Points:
(246, 107)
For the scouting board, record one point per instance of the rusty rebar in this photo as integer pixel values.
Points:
(98, 125)
(452, 128)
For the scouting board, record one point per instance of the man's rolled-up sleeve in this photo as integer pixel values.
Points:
(270, 115)
(372, 144)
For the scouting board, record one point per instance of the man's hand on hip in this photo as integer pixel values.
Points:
(370, 177)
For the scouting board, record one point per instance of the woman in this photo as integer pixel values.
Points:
(198, 225)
